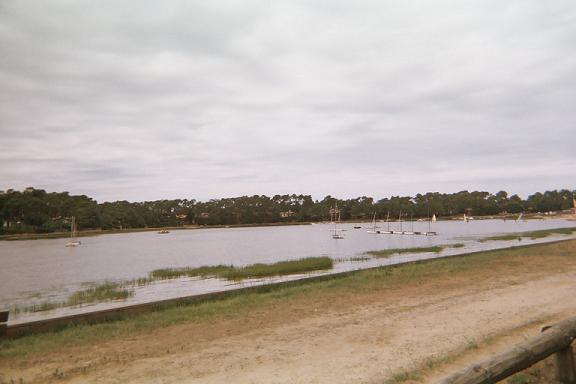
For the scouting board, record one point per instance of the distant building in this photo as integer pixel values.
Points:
(286, 214)
(29, 190)
(204, 215)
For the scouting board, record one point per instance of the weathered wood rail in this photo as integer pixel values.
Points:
(3, 321)
(555, 339)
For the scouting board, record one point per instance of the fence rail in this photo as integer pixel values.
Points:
(3, 321)
(555, 339)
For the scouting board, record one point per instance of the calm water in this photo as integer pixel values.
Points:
(39, 270)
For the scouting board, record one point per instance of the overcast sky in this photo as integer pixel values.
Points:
(144, 100)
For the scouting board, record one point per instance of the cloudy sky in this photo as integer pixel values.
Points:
(144, 100)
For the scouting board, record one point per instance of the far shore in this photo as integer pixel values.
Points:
(97, 232)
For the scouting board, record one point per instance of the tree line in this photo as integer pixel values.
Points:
(37, 211)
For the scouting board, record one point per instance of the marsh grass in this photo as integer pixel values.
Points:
(395, 251)
(174, 273)
(250, 271)
(99, 293)
(41, 307)
(108, 291)
(241, 305)
(531, 234)
(281, 268)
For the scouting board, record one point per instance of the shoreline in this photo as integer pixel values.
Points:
(98, 232)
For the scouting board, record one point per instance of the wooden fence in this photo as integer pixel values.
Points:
(555, 339)
(3, 325)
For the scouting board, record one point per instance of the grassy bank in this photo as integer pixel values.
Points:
(397, 251)
(108, 291)
(531, 234)
(303, 296)
(250, 271)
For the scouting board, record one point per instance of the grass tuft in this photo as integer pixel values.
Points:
(531, 234)
(394, 251)
(174, 273)
(254, 270)
(103, 292)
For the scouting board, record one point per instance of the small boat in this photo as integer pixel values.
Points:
(163, 231)
(335, 219)
(465, 218)
(74, 242)
(430, 231)
(373, 230)
(519, 217)
(357, 227)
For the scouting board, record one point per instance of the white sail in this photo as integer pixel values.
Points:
(74, 242)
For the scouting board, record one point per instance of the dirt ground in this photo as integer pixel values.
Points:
(422, 330)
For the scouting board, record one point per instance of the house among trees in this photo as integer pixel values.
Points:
(288, 213)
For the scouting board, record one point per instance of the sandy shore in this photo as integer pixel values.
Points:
(420, 330)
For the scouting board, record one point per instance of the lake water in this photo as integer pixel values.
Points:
(36, 271)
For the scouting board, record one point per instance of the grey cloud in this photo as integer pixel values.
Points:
(218, 98)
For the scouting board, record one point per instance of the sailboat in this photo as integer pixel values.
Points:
(411, 231)
(519, 217)
(335, 218)
(388, 231)
(430, 231)
(401, 231)
(373, 229)
(465, 218)
(74, 242)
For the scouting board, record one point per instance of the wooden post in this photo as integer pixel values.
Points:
(565, 368)
(556, 340)
(3, 325)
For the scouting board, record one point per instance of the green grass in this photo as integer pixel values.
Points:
(122, 290)
(250, 271)
(520, 379)
(102, 292)
(281, 268)
(531, 234)
(173, 273)
(509, 237)
(457, 245)
(395, 251)
(239, 305)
